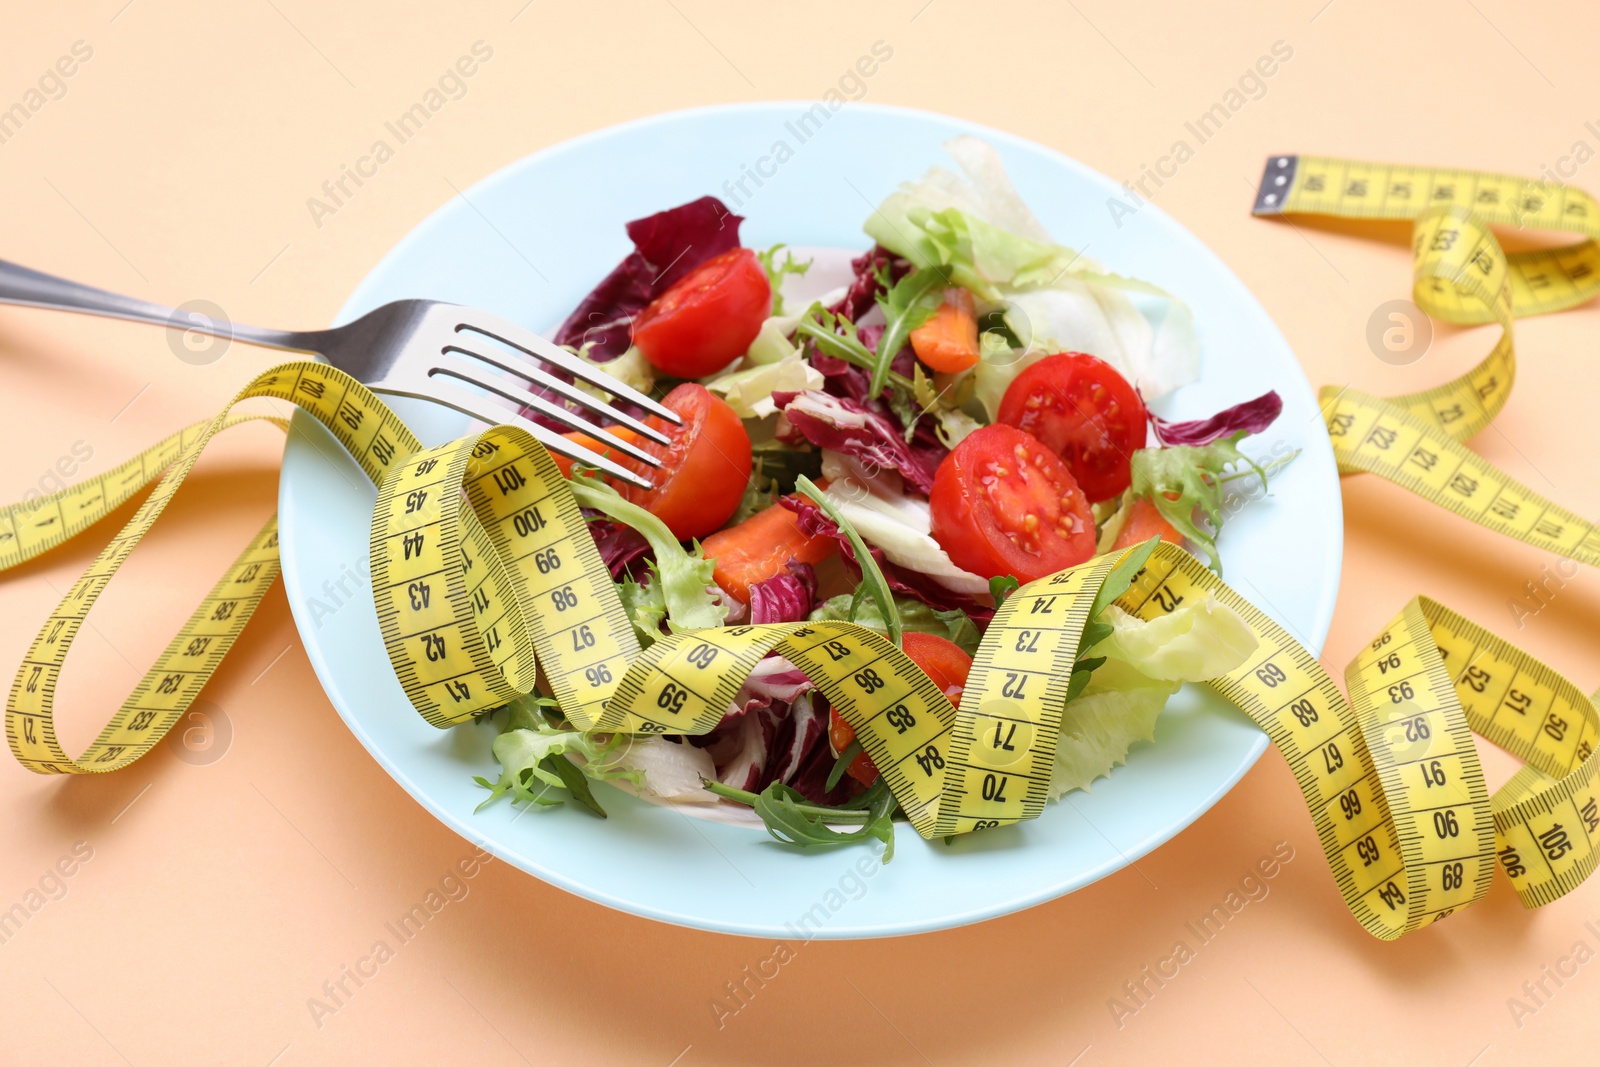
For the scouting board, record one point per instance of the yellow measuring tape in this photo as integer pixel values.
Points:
(484, 576)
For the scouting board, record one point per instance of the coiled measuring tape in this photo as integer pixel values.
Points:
(484, 575)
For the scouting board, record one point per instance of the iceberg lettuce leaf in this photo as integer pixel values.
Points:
(1145, 663)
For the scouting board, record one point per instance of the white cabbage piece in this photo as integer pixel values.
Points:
(900, 525)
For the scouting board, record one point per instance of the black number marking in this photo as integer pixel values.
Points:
(869, 680)
(900, 718)
(1271, 675)
(671, 697)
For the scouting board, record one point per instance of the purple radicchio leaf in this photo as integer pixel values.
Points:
(861, 432)
(865, 286)
(624, 549)
(800, 756)
(775, 730)
(1252, 416)
(666, 247)
(813, 522)
(739, 744)
(786, 597)
(777, 679)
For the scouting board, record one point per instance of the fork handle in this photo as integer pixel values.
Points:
(23, 285)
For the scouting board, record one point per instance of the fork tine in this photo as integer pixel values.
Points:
(499, 386)
(477, 408)
(531, 343)
(538, 376)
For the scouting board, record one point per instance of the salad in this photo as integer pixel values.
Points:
(962, 410)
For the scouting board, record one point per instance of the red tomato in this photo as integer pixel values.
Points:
(941, 660)
(1005, 504)
(704, 469)
(1086, 413)
(708, 318)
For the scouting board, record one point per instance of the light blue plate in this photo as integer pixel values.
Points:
(527, 243)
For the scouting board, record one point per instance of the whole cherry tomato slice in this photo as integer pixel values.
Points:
(708, 318)
(942, 660)
(1003, 503)
(704, 469)
(1086, 413)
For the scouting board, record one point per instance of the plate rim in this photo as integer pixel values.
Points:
(462, 824)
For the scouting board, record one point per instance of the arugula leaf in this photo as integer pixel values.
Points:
(685, 578)
(776, 271)
(1082, 671)
(1002, 586)
(872, 579)
(961, 630)
(1193, 477)
(1117, 583)
(792, 819)
(842, 764)
(1097, 629)
(836, 336)
(575, 780)
(906, 305)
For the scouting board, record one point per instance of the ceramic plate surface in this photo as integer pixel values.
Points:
(527, 243)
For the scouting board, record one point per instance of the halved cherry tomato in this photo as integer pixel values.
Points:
(1086, 413)
(1005, 504)
(708, 318)
(760, 547)
(704, 469)
(1144, 521)
(948, 341)
(595, 443)
(942, 660)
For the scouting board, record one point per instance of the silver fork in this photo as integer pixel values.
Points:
(417, 348)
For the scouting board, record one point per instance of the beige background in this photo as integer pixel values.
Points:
(220, 895)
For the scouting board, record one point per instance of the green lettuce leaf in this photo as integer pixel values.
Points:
(1097, 729)
(776, 271)
(684, 577)
(760, 493)
(954, 625)
(537, 765)
(1054, 298)
(1200, 641)
(1184, 479)
(772, 342)
(630, 368)
(646, 606)
(749, 389)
